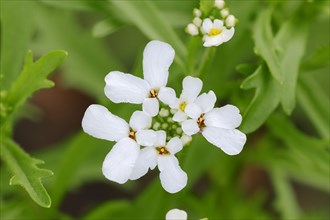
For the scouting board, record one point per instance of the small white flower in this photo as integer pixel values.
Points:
(224, 12)
(197, 21)
(176, 214)
(192, 29)
(100, 123)
(172, 177)
(186, 139)
(191, 87)
(121, 87)
(217, 125)
(230, 21)
(219, 4)
(216, 33)
(197, 12)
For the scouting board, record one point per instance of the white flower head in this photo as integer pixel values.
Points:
(126, 88)
(176, 214)
(197, 12)
(197, 21)
(230, 21)
(192, 29)
(216, 33)
(100, 123)
(220, 4)
(172, 177)
(191, 88)
(217, 125)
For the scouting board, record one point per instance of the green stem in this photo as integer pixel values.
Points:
(206, 60)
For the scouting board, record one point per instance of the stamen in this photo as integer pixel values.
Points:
(182, 106)
(153, 93)
(200, 121)
(132, 134)
(162, 150)
(214, 32)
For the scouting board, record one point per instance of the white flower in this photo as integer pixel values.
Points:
(121, 87)
(197, 21)
(230, 21)
(191, 88)
(186, 139)
(176, 214)
(197, 12)
(216, 33)
(219, 4)
(192, 29)
(172, 177)
(217, 125)
(100, 123)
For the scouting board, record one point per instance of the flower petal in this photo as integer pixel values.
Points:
(191, 88)
(139, 120)
(210, 41)
(225, 117)
(190, 127)
(231, 141)
(146, 137)
(206, 101)
(218, 23)
(161, 138)
(122, 87)
(100, 123)
(157, 58)
(167, 95)
(147, 159)
(179, 116)
(151, 106)
(207, 25)
(174, 145)
(119, 162)
(193, 110)
(172, 177)
(176, 214)
(227, 34)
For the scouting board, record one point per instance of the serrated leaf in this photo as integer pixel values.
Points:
(32, 78)
(265, 46)
(26, 171)
(17, 24)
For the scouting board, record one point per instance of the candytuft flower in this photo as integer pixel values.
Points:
(100, 123)
(176, 214)
(216, 32)
(217, 125)
(172, 177)
(121, 87)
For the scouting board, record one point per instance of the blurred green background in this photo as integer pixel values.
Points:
(283, 170)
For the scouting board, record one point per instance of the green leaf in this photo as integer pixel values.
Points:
(265, 45)
(32, 78)
(140, 14)
(318, 60)
(315, 104)
(266, 99)
(292, 39)
(106, 27)
(107, 210)
(17, 23)
(26, 172)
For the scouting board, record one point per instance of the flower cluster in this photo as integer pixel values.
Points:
(164, 125)
(216, 27)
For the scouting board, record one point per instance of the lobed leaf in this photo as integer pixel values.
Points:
(26, 172)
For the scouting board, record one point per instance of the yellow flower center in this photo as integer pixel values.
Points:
(162, 150)
(153, 93)
(182, 106)
(200, 121)
(214, 32)
(131, 135)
